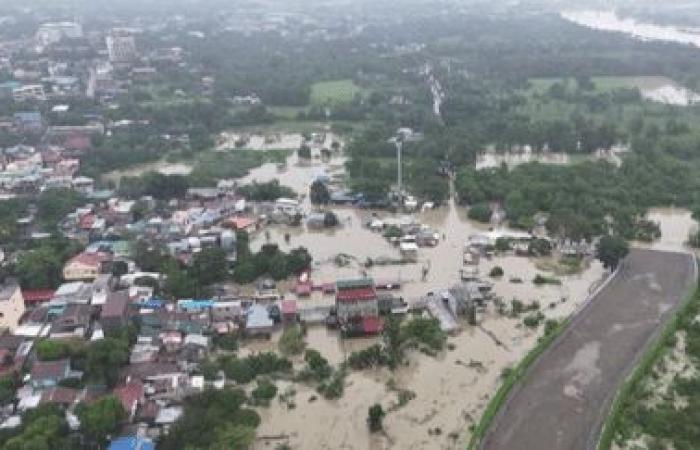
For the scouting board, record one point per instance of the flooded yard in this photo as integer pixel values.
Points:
(162, 167)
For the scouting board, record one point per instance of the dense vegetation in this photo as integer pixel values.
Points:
(213, 419)
(584, 200)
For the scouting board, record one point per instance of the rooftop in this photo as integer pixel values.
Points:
(7, 290)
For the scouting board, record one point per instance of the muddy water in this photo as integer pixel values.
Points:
(610, 21)
(162, 167)
(451, 389)
(675, 224)
(491, 158)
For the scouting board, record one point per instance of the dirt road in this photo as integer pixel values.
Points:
(563, 400)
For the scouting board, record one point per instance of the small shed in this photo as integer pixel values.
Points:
(289, 311)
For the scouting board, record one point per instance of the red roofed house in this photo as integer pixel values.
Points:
(131, 395)
(84, 266)
(240, 223)
(60, 396)
(357, 306)
(33, 297)
(47, 374)
(77, 143)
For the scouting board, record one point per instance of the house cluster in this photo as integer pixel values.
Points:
(406, 233)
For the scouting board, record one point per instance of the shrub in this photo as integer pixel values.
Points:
(496, 272)
(375, 415)
(367, 358)
(292, 341)
(481, 212)
(424, 331)
(317, 365)
(502, 244)
(333, 388)
(533, 320)
(264, 392)
(541, 280)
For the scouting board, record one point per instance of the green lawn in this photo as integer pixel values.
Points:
(338, 91)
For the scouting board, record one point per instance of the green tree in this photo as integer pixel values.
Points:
(104, 358)
(234, 437)
(54, 204)
(319, 194)
(304, 152)
(43, 428)
(393, 340)
(481, 212)
(209, 266)
(40, 268)
(98, 420)
(611, 250)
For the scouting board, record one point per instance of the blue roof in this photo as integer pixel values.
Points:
(152, 303)
(131, 443)
(28, 116)
(195, 304)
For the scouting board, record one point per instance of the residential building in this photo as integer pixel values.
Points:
(115, 311)
(357, 306)
(131, 395)
(29, 92)
(84, 266)
(73, 322)
(75, 292)
(11, 305)
(53, 32)
(46, 374)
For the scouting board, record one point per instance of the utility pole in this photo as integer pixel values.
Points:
(399, 148)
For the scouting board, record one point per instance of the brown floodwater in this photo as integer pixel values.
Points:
(452, 389)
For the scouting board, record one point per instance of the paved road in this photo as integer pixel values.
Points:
(566, 394)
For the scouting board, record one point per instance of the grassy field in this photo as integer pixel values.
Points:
(338, 91)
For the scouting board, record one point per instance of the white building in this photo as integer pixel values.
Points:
(29, 92)
(53, 32)
(121, 47)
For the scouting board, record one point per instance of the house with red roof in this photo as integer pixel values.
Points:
(34, 297)
(240, 223)
(358, 307)
(46, 374)
(131, 395)
(85, 266)
(77, 143)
